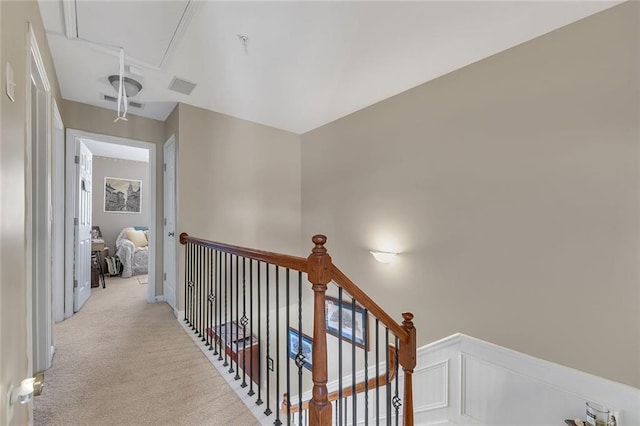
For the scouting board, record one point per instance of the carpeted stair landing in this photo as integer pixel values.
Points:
(123, 361)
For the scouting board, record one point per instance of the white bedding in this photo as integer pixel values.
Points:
(135, 260)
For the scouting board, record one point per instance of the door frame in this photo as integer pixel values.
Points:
(171, 140)
(57, 179)
(38, 250)
(71, 135)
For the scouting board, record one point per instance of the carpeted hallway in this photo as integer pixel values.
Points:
(123, 361)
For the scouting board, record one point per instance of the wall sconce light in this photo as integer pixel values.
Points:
(384, 256)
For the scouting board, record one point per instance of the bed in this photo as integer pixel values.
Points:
(132, 248)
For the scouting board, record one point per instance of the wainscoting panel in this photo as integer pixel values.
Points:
(492, 385)
(432, 384)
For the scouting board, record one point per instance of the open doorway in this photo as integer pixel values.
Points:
(113, 160)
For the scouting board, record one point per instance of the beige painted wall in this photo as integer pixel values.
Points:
(93, 119)
(237, 182)
(14, 365)
(511, 189)
(112, 223)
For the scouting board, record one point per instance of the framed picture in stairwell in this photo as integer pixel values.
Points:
(298, 342)
(355, 321)
(122, 195)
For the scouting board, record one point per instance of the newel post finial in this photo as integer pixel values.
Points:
(408, 320)
(319, 240)
(319, 272)
(183, 238)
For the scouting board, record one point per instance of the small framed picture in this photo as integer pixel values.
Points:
(355, 323)
(298, 342)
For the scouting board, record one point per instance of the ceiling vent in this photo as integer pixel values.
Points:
(132, 104)
(181, 86)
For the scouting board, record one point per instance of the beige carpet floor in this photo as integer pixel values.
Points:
(123, 361)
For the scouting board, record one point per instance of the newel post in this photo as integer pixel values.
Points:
(319, 273)
(407, 358)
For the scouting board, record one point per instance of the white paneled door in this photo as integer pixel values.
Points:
(170, 223)
(82, 225)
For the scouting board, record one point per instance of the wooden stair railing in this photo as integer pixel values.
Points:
(360, 387)
(320, 272)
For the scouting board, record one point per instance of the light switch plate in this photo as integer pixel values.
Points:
(11, 85)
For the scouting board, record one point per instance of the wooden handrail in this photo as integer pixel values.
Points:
(381, 380)
(343, 281)
(301, 264)
(320, 271)
(284, 260)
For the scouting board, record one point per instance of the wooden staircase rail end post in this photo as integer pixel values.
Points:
(319, 275)
(407, 354)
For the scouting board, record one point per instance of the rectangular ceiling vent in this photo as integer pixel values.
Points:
(132, 104)
(181, 86)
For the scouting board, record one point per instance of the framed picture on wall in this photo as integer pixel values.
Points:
(122, 195)
(300, 343)
(355, 322)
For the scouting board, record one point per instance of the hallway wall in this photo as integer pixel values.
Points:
(511, 190)
(14, 284)
(112, 223)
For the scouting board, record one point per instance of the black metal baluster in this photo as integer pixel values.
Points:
(216, 297)
(365, 334)
(203, 273)
(396, 398)
(377, 372)
(219, 325)
(251, 392)
(259, 400)
(346, 409)
(225, 340)
(299, 356)
(277, 422)
(212, 296)
(191, 286)
(340, 376)
(237, 377)
(288, 352)
(354, 399)
(243, 322)
(388, 384)
(207, 293)
(194, 291)
(267, 411)
(230, 332)
(187, 259)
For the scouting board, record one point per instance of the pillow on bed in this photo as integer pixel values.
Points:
(137, 238)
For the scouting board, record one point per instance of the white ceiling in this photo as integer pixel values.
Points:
(112, 150)
(307, 63)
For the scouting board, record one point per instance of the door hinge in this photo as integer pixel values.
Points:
(165, 167)
(165, 276)
(165, 221)
(75, 283)
(75, 221)
(76, 159)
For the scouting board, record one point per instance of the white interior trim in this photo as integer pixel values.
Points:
(58, 215)
(70, 19)
(40, 320)
(72, 134)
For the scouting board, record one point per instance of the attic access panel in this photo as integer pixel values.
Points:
(144, 28)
